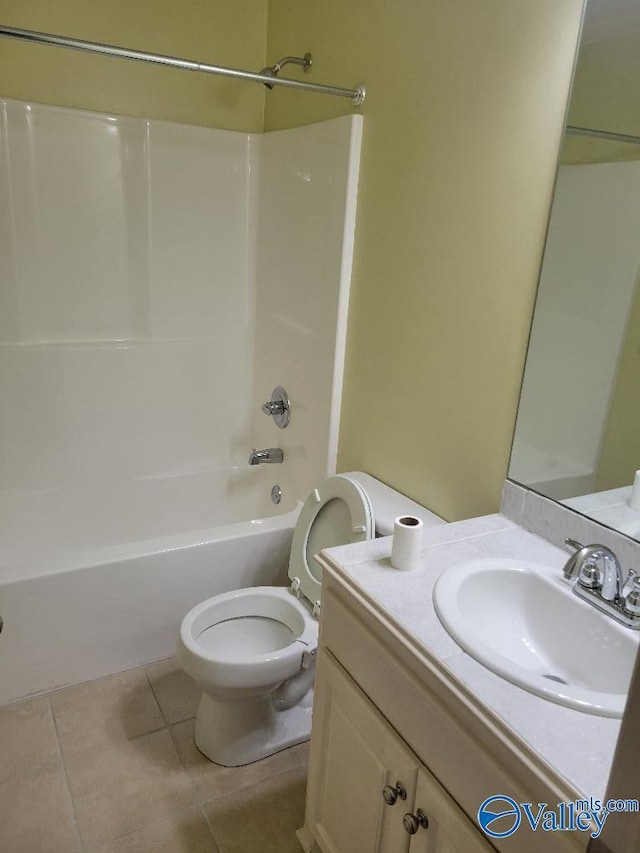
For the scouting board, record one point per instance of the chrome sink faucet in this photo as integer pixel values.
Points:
(584, 565)
(599, 579)
(260, 457)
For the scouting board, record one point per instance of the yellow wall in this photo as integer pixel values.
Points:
(463, 118)
(221, 32)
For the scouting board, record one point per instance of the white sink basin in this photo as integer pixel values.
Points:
(522, 621)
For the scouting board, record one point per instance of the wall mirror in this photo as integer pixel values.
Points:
(577, 437)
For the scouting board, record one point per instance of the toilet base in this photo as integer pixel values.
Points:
(237, 733)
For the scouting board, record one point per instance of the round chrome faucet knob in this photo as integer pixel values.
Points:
(278, 407)
(589, 576)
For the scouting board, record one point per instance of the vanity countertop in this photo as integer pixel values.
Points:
(578, 747)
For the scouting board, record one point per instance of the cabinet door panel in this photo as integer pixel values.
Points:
(354, 754)
(449, 830)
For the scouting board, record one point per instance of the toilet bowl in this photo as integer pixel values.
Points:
(252, 651)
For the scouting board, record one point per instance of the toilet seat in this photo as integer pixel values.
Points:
(256, 661)
(337, 512)
(253, 654)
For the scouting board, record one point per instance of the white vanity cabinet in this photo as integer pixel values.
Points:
(358, 759)
(449, 830)
(387, 712)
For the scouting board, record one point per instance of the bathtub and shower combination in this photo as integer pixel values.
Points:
(151, 303)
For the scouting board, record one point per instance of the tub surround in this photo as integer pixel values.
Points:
(160, 280)
(559, 752)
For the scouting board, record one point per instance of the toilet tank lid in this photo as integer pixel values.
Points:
(388, 504)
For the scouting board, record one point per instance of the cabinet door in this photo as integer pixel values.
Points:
(354, 754)
(449, 829)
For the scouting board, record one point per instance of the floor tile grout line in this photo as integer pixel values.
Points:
(167, 723)
(155, 696)
(197, 796)
(42, 694)
(169, 726)
(199, 799)
(210, 828)
(134, 738)
(66, 775)
(165, 727)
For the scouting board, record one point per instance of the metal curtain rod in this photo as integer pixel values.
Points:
(357, 94)
(603, 134)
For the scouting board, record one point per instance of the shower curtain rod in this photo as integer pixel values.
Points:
(357, 94)
(603, 134)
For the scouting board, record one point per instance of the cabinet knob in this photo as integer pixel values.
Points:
(413, 822)
(390, 794)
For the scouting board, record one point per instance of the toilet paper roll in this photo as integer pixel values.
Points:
(634, 500)
(405, 547)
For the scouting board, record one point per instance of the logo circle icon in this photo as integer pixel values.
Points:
(499, 808)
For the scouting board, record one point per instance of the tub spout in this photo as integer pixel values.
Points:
(260, 457)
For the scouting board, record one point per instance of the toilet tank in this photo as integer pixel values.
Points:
(388, 504)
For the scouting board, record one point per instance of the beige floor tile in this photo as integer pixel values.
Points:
(262, 818)
(186, 832)
(36, 815)
(122, 787)
(176, 692)
(107, 711)
(213, 780)
(28, 743)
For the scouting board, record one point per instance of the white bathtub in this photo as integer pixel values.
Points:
(71, 615)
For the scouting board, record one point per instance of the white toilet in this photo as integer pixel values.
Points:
(252, 651)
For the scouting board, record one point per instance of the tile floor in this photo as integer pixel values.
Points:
(111, 766)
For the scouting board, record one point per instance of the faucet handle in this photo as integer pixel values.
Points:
(631, 581)
(278, 407)
(570, 568)
(631, 594)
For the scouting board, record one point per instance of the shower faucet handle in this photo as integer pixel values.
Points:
(278, 407)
